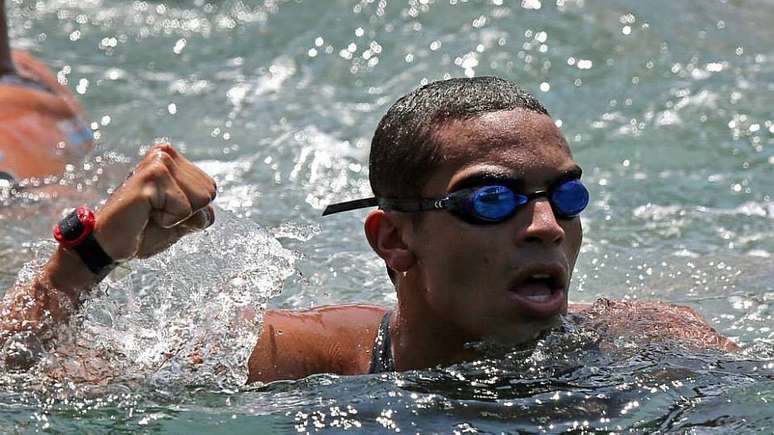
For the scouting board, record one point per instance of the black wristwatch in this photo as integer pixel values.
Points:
(75, 232)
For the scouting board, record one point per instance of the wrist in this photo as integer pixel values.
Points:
(79, 262)
(66, 272)
(75, 233)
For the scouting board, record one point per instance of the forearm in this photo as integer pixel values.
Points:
(34, 309)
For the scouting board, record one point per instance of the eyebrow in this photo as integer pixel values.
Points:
(493, 176)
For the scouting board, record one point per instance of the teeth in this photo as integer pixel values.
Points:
(539, 298)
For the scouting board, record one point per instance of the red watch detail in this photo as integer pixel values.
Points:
(87, 219)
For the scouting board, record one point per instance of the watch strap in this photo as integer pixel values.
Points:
(94, 257)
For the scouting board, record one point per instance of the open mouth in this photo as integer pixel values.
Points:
(540, 291)
(538, 287)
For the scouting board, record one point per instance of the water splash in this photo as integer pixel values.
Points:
(189, 316)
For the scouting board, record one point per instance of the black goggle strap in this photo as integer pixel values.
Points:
(413, 205)
(350, 205)
(405, 205)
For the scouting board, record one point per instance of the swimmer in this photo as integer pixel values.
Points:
(42, 126)
(475, 213)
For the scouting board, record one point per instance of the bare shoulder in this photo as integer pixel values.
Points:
(329, 339)
(649, 321)
(350, 313)
(338, 321)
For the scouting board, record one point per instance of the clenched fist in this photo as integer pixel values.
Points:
(165, 198)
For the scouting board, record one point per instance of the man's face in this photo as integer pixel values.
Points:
(506, 281)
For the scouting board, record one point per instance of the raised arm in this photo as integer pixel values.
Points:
(165, 198)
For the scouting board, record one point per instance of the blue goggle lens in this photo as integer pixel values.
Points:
(494, 203)
(569, 199)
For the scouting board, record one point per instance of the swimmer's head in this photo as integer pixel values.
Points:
(469, 147)
(405, 149)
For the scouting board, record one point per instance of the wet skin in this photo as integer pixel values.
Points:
(36, 126)
(456, 282)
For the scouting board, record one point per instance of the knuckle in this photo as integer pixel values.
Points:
(162, 157)
(155, 170)
(158, 153)
(164, 147)
(151, 153)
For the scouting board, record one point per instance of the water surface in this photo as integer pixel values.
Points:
(666, 105)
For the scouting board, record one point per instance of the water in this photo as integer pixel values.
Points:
(667, 106)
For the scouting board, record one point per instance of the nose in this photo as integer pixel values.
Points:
(541, 225)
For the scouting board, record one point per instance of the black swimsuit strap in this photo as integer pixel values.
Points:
(381, 354)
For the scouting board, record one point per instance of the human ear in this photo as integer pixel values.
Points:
(385, 234)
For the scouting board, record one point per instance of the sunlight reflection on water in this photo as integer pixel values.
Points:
(664, 105)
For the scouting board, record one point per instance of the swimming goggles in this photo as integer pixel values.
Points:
(486, 204)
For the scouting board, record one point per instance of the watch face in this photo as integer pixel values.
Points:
(75, 227)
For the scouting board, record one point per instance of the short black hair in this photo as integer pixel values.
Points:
(404, 151)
